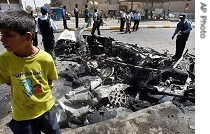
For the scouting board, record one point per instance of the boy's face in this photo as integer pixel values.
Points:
(13, 41)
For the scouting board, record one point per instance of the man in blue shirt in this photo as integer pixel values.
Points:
(136, 19)
(182, 31)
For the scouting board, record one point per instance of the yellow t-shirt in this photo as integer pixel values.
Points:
(28, 77)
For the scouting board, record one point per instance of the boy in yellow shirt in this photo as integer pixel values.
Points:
(30, 72)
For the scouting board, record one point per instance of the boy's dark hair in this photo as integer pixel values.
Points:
(18, 20)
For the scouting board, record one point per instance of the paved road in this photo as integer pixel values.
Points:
(156, 38)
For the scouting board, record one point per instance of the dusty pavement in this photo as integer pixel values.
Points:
(164, 118)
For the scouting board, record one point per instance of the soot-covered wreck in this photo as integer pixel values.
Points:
(107, 78)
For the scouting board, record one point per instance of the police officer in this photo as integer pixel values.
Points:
(182, 31)
(46, 28)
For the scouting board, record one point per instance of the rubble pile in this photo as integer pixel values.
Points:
(107, 78)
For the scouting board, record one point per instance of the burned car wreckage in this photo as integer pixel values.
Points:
(107, 78)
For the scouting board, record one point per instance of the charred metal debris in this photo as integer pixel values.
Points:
(108, 78)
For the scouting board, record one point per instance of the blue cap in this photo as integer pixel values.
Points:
(182, 15)
(44, 9)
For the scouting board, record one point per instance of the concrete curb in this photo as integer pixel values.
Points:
(162, 118)
(142, 26)
(118, 27)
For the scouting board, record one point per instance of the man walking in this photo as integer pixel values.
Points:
(64, 18)
(46, 28)
(76, 14)
(183, 31)
(96, 24)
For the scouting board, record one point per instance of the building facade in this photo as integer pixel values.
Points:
(113, 6)
(10, 4)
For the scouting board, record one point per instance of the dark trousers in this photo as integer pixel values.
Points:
(49, 46)
(180, 46)
(96, 25)
(77, 21)
(136, 25)
(46, 123)
(86, 19)
(65, 23)
(122, 24)
(128, 25)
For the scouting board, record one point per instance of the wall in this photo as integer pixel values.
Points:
(5, 6)
(178, 6)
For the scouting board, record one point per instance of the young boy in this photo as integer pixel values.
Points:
(30, 72)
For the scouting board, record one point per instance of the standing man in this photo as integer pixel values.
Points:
(136, 19)
(76, 13)
(64, 13)
(128, 22)
(96, 24)
(87, 15)
(122, 20)
(46, 28)
(35, 38)
(131, 14)
(183, 31)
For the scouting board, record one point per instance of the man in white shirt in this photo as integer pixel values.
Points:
(122, 19)
(96, 24)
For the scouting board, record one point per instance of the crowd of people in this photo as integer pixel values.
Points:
(128, 19)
